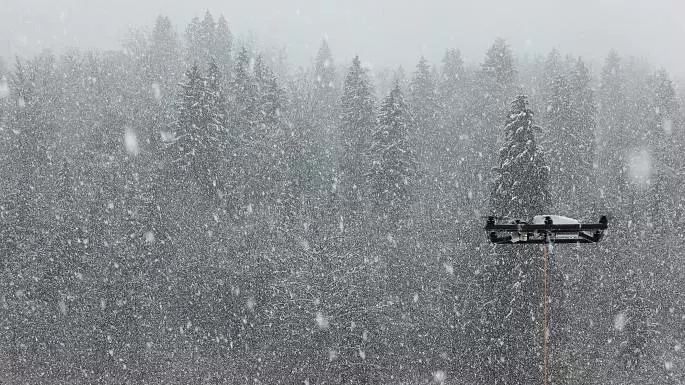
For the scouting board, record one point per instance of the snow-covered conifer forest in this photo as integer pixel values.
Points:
(191, 209)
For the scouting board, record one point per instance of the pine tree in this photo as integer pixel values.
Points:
(200, 131)
(551, 71)
(223, 46)
(570, 151)
(454, 133)
(423, 99)
(521, 181)
(425, 109)
(498, 70)
(324, 69)
(451, 90)
(193, 42)
(614, 141)
(242, 96)
(583, 168)
(664, 209)
(325, 96)
(164, 52)
(270, 95)
(511, 284)
(356, 125)
(452, 67)
(624, 106)
(498, 78)
(560, 141)
(216, 104)
(662, 143)
(392, 177)
(162, 72)
(494, 87)
(207, 35)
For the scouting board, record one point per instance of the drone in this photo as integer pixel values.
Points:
(545, 229)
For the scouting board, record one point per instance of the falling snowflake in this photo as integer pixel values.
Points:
(4, 88)
(149, 237)
(251, 303)
(156, 91)
(639, 167)
(439, 376)
(620, 321)
(131, 142)
(321, 321)
(62, 307)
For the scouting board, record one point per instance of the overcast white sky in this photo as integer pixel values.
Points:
(382, 32)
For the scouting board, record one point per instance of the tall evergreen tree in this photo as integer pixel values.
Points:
(242, 96)
(423, 99)
(663, 210)
(452, 66)
(498, 81)
(561, 133)
(662, 142)
(325, 103)
(623, 106)
(570, 151)
(453, 123)
(451, 90)
(324, 68)
(553, 68)
(193, 42)
(223, 46)
(613, 141)
(207, 35)
(200, 130)
(521, 180)
(357, 121)
(511, 283)
(163, 65)
(392, 177)
(584, 109)
(493, 88)
(499, 71)
(164, 55)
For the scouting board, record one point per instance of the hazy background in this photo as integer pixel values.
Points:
(382, 32)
